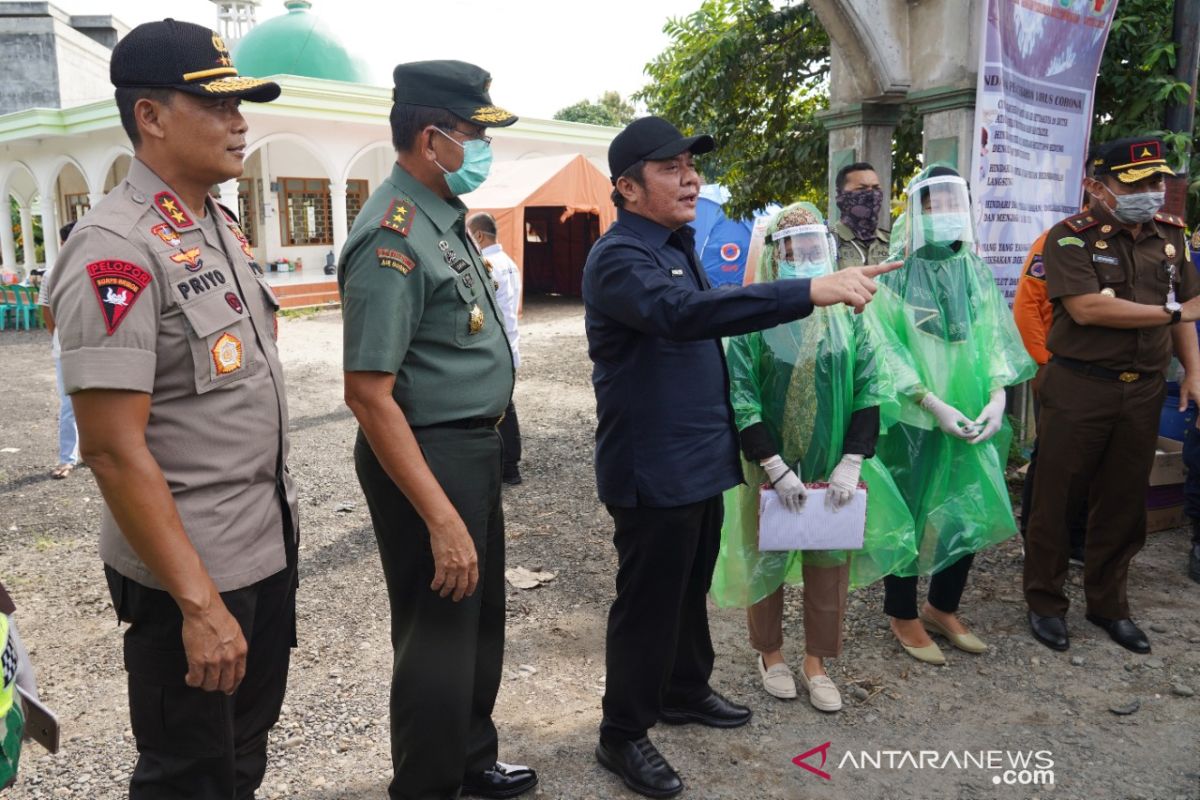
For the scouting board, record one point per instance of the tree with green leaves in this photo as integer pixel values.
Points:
(608, 110)
(754, 74)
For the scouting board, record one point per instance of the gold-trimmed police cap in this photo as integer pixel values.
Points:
(1131, 159)
(458, 87)
(184, 56)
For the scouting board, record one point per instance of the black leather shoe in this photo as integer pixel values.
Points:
(502, 780)
(638, 763)
(1194, 563)
(714, 711)
(1050, 631)
(1123, 632)
(511, 477)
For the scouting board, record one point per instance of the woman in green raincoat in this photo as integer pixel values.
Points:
(953, 348)
(806, 399)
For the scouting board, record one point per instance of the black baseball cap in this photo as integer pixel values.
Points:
(186, 57)
(1131, 159)
(458, 87)
(652, 139)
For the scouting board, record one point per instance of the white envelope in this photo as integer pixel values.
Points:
(815, 527)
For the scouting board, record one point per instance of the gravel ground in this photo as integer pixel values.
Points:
(332, 741)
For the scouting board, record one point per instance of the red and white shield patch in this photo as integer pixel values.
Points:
(118, 285)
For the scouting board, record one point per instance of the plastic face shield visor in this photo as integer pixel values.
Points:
(939, 212)
(803, 251)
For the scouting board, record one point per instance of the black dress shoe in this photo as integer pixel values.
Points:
(638, 763)
(502, 780)
(1123, 632)
(511, 477)
(1194, 563)
(1050, 631)
(714, 711)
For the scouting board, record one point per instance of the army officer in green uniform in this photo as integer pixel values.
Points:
(428, 374)
(859, 198)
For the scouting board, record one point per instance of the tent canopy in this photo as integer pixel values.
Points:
(568, 181)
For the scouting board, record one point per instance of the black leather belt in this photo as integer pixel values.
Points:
(467, 424)
(1088, 368)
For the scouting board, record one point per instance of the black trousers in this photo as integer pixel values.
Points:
(191, 743)
(945, 590)
(658, 650)
(447, 656)
(510, 435)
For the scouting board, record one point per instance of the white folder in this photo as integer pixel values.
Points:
(815, 527)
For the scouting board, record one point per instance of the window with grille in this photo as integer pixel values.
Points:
(77, 205)
(357, 192)
(306, 215)
(247, 209)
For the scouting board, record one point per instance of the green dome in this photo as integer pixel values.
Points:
(297, 43)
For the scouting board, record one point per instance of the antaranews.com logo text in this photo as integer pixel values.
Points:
(1008, 767)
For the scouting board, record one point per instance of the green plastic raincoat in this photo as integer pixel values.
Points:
(948, 332)
(803, 380)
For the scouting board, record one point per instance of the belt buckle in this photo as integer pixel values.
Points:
(1128, 377)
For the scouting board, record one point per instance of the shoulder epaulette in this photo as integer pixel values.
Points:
(1081, 222)
(399, 217)
(1169, 219)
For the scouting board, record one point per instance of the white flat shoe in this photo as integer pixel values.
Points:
(777, 680)
(822, 692)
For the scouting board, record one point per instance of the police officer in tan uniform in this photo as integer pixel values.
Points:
(428, 374)
(1120, 284)
(169, 354)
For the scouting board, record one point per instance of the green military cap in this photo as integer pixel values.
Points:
(458, 87)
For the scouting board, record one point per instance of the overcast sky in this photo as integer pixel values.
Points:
(543, 54)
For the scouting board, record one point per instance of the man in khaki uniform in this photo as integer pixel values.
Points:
(859, 198)
(169, 354)
(428, 375)
(1120, 283)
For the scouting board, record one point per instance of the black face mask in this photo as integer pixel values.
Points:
(860, 211)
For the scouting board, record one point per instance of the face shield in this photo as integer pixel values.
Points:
(939, 212)
(803, 251)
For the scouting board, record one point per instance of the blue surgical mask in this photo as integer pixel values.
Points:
(945, 228)
(1133, 209)
(477, 163)
(802, 269)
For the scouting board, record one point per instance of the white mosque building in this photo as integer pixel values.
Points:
(313, 155)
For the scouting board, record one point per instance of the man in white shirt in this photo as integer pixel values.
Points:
(68, 435)
(507, 275)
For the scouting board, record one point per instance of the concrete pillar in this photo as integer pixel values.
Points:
(27, 237)
(271, 229)
(94, 199)
(229, 196)
(49, 213)
(8, 245)
(948, 124)
(861, 132)
(337, 207)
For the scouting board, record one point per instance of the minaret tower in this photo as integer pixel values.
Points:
(235, 18)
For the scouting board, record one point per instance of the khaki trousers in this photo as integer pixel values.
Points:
(825, 590)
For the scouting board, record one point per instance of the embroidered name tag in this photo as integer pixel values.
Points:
(676, 272)
(1101, 258)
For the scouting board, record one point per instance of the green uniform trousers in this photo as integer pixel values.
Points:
(447, 656)
(1096, 438)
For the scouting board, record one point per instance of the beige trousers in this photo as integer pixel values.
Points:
(825, 590)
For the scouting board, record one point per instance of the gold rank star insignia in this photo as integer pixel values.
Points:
(1106, 228)
(476, 322)
(1169, 250)
(170, 207)
(1101, 245)
(398, 218)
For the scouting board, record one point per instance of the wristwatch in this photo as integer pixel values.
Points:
(1175, 310)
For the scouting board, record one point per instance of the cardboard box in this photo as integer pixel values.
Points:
(1168, 463)
(1165, 518)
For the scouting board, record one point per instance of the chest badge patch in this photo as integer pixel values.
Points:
(1071, 240)
(398, 218)
(1037, 269)
(1100, 245)
(118, 285)
(166, 234)
(394, 259)
(190, 259)
(475, 324)
(234, 301)
(227, 354)
(171, 208)
(1169, 250)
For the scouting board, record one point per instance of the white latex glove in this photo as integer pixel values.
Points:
(843, 481)
(25, 677)
(949, 419)
(786, 483)
(991, 418)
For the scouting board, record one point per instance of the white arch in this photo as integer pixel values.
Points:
(354, 159)
(305, 143)
(100, 175)
(6, 189)
(56, 168)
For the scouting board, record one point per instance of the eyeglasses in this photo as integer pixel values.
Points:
(469, 136)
